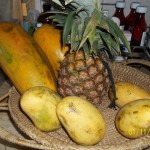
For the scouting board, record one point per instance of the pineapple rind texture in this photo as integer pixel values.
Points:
(86, 78)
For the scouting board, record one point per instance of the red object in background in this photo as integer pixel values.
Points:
(140, 27)
(130, 19)
(119, 13)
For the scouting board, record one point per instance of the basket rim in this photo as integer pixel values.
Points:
(143, 141)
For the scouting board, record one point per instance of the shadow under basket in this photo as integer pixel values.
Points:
(59, 140)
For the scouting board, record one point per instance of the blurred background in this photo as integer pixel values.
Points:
(11, 9)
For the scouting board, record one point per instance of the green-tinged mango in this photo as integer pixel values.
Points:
(39, 104)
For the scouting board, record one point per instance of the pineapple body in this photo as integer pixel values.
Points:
(83, 77)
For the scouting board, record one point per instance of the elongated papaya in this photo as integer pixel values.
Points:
(22, 59)
(49, 39)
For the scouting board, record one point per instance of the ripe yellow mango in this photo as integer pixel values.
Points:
(127, 92)
(82, 120)
(133, 119)
(39, 104)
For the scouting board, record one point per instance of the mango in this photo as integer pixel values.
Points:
(83, 122)
(133, 119)
(39, 104)
(127, 92)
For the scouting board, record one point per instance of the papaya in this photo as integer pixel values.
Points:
(22, 60)
(49, 39)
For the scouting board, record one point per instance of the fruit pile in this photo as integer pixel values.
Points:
(83, 122)
(35, 79)
(62, 77)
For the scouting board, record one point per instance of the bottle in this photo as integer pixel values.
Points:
(130, 19)
(43, 17)
(33, 15)
(140, 27)
(32, 19)
(25, 18)
(119, 13)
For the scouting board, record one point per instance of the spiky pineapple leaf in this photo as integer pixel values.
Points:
(106, 38)
(90, 28)
(104, 25)
(91, 23)
(58, 21)
(115, 46)
(67, 26)
(86, 49)
(81, 28)
(115, 36)
(90, 5)
(96, 16)
(94, 47)
(100, 42)
(58, 16)
(87, 33)
(118, 32)
(96, 19)
(68, 1)
(71, 7)
(58, 2)
(92, 37)
(74, 35)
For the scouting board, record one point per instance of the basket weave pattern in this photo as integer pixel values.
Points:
(59, 138)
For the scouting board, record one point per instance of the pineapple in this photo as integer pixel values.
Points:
(88, 31)
(84, 77)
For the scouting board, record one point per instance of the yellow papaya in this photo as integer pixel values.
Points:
(22, 59)
(49, 39)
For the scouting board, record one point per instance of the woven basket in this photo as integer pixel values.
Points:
(59, 139)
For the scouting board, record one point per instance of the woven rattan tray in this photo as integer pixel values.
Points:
(60, 140)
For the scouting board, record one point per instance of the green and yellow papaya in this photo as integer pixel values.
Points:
(23, 60)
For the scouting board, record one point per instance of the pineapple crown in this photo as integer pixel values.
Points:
(86, 27)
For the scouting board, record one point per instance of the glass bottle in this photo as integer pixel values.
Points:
(130, 19)
(25, 18)
(140, 27)
(32, 19)
(119, 13)
(44, 16)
